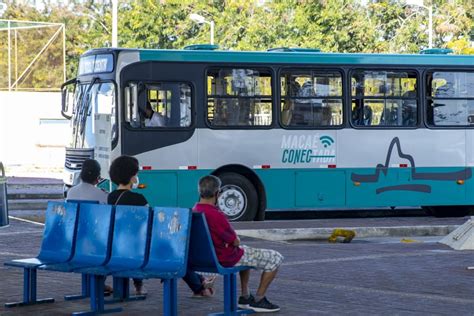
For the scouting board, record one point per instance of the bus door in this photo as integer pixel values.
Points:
(103, 123)
(159, 129)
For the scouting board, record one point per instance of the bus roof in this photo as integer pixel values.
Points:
(296, 57)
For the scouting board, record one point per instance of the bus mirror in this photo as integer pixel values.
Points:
(67, 98)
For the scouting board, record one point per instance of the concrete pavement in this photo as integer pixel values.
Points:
(366, 277)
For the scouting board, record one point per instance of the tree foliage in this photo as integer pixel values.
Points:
(380, 26)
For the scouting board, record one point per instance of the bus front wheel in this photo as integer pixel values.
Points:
(238, 198)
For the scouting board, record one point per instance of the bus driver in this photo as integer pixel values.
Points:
(152, 118)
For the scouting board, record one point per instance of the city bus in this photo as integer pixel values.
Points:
(284, 129)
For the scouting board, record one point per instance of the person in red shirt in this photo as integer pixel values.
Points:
(231, 253)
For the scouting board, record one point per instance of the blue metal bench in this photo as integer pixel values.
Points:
(129, 250)
(168, 253)
(92, 247)
(202, 258)
(85, 284)
(57, 247)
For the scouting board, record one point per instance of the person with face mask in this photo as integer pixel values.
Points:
(231, 253)
(124, 173)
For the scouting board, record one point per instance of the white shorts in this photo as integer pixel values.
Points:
(261, 259)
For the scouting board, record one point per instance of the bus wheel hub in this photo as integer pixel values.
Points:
(232, 201)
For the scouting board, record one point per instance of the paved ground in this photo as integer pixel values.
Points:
(373, 276)
(352, 222)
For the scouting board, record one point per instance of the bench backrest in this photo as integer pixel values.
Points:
(59, 232)
(82, 201)
(202, 256)
(130, 236)
(93, 233)
(170, 240)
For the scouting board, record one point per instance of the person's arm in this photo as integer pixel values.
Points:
(226, 232)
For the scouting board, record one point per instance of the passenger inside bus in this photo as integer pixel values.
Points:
(362, 117)
(409, 109)
(153, 118)
(292, 90)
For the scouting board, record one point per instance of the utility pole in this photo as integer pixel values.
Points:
(114, 23)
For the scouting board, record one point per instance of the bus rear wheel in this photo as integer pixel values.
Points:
(238, 198)
(448, 211)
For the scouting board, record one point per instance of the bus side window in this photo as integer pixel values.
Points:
(311, 98)
(384, 98)
(451, 98)
(166, 105)
(239, 97)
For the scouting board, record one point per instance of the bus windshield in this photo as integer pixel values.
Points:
(90, 99)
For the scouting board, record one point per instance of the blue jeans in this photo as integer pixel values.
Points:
(194, 281)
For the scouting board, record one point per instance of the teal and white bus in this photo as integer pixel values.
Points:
(287, 129)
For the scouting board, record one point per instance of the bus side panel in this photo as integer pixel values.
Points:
(188, 186)
(279, 186)
(398, 187)
(320, 188)
(161, 187)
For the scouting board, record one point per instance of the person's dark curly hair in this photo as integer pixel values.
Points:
(123, 169)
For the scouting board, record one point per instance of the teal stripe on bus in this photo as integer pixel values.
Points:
(321, 188)
(305, 58)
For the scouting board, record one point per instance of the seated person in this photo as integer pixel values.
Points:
(368, 113)
(409, 113)
(86, 190)
(152, 118)
(409, 109)
(231, 253)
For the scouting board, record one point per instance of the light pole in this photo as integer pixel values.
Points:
(114, 23)
(419, 3)
(200, 19)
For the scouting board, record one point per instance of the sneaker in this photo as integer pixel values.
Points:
(204, 293)
(263, 306)
(140, 290)
(245, 302)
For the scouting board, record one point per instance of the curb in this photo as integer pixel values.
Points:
(286, 234)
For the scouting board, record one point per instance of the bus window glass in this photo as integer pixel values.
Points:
(167, 105)
(239, 97)
(384, 98)
(311, 98)
(450, 99)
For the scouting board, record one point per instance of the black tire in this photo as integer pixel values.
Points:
(450, 211)
(238, 198)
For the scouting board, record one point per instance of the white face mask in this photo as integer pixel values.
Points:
(135, 184)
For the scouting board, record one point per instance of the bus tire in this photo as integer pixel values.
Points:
(238, 198)
(450, 211)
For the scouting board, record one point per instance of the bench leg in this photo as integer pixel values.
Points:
(230, 297)
(29, 290)
(85, 291)
(97, 297)
(170, 297)
(122, 291)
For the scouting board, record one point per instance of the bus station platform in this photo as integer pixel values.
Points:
(367, 276)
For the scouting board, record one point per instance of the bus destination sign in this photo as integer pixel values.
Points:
(96, 64)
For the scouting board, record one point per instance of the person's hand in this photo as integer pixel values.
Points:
(236, 242)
